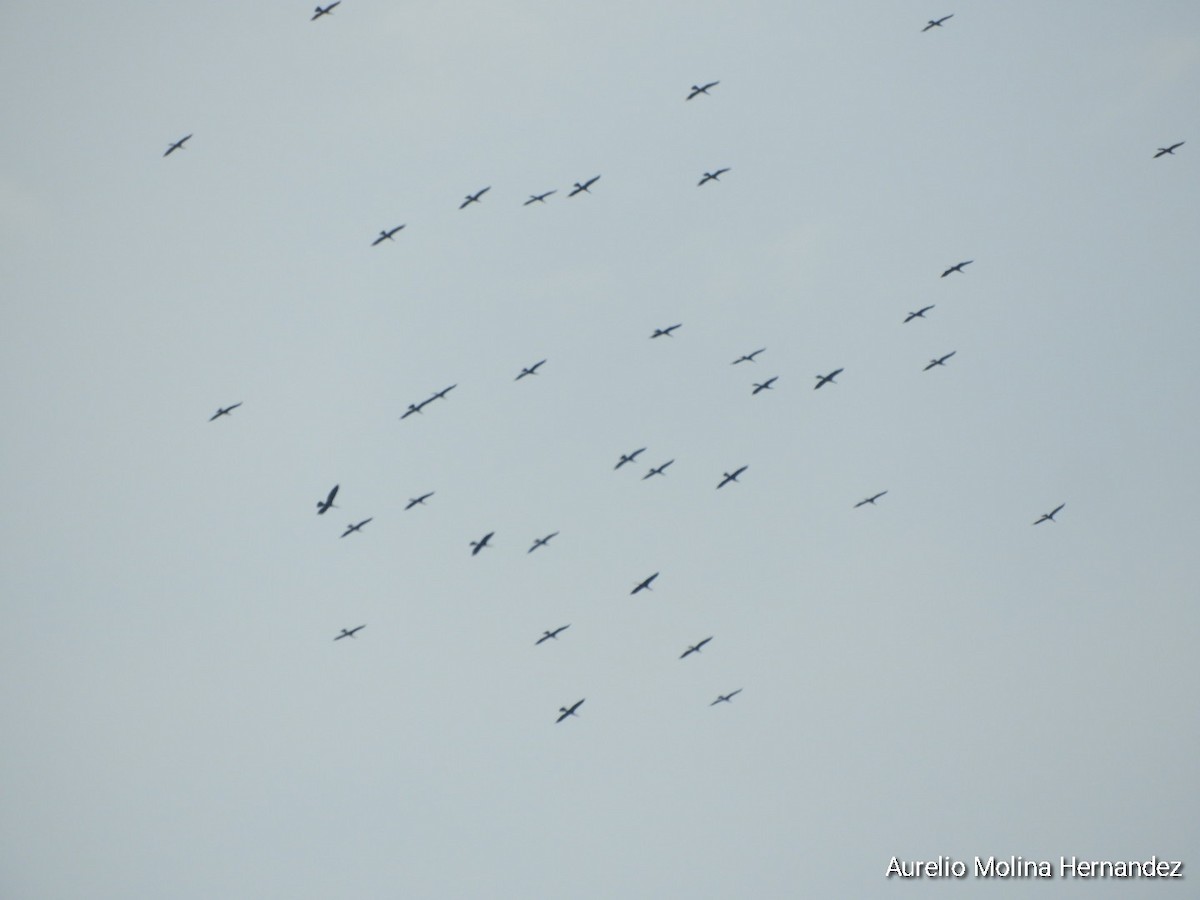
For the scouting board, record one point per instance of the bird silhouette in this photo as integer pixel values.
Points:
(869, 500)
(326, 11)
(725, 698)
(731, 476)
(665, 332)
(474, 198)
(541, 542)
(223, 411)
(538, 198)
(418, 501)
(937, 23)
(712, 176)
(695, 648)
(178, 145)
(1049, 517)
(481, 543)
(1162, 151)
(940, 361)
(749, 357)
(644, 584)
(386, 236)
(349, 632)
(919, 314)
(548, 635)
(628, 457)
(350, 529)
(564, 711)
(530, 370)
(583, 188)
(765, 386)
(323, 506)
(697, 89)
(958, 267)
(823, 380)
(658, 470)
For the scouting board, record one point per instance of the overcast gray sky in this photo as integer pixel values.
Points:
(929, 675)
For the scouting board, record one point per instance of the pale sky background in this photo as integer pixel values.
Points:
(931, 675)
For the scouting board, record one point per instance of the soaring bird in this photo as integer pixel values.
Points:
(731, 476)
(541, 542)
(327, 11)
(958, 267)
(823, 380)
(937, 23)
(323, 506)
(1162, 151)
(712, 176)
(350, 529)
(749, 357)
(940, 361)
(386, 236)
(919, 314)
(725, 698)
(548, 635)
(530, 370)
(701, 89)
(643, 585)
(481, 543)
(178, 145)
(349, 632)
(628, 457)
(665, 332)
(418, 501)
(765, 386)
(474, 198)
(657, 470)
(564, 711)
(224, 411)
(695, 648)
(583, 188)
(1049, 517)
(870, 500)
(539, 198)
(415, 408)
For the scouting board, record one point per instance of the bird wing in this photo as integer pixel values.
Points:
(1054, 512)
(332, 494)
(703, 642)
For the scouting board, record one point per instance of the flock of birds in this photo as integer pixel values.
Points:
(696, 90)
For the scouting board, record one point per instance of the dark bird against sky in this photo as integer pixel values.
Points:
(178, 145)
(823, 380)
(530, 370)
(323, 506)
(940, 361)
(1165, 151)
(350, 529)
(474, 198)
(712, 176)
(628, 457)
(958, 267)
(665, 332)
(478, 545)
(870, 500)
(1049, 517)
(549, 635)
(583, 188)
(418, 501)
(725, 698)
(224, 411)
(349, 632)
(698, 89)
(386, 236)
(731, 476)
(919, 314)
(538, 198)
(658, 470)
(564, 711)
(326, 11)
(643, 585)
(541, 542)
(937, 23)
(765, 386)
(695, 648)
(749, 357)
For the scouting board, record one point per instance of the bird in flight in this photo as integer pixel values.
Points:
(323, 506)
(1049, 517)
(350, 529)
(712, 176)
(765, 386)
(178, 145)
(418, 501)
(349, 632)
(731, 476)
(481, 543)
(643, 585)
(658, 470)
(1162, 151)
(701, 89)
(223, 411)
(548, 635)
(749, 357)
(564, 711)
(665, 332)
(940, 361)
(474, 198)
(958, 267)
(415, 408)
(919, 314)
(583, 188)
(326, 11)
(870, 500)
(439, 395)
(539, 198)
(823, 380)
(531, 370)
(628, 457)
(725, 698)
(386, 236)
(695, 648)
(937, 23)
(541, 542)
